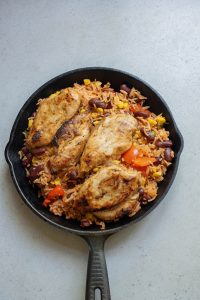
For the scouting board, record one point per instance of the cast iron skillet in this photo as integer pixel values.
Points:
(97, 271)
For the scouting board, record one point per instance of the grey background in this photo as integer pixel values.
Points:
(158, 258)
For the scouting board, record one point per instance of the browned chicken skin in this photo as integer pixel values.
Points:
(70, 139)
(50, 115)
(108, 141)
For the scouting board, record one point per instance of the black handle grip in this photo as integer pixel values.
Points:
(97, 275)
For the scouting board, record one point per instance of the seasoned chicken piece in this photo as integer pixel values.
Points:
(110, 186)
(70, 140)
(50, 115)
(108, 141)
(129, 208)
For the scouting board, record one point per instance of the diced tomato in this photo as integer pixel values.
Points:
(53, 195)
(130, 155)
(138, 107)
(143, 161)
(143, 170)
(134, 158)
(56, 192)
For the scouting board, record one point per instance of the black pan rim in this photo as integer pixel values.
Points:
(88, 232)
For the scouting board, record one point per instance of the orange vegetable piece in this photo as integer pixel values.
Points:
(53, 195)
(56, 192)
(143, 170)
(143, 161)
(134, 157)
(130, 155)
(138, 107)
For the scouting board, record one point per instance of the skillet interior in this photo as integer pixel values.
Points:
(116, 78)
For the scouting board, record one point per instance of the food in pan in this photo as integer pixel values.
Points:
(96, 154)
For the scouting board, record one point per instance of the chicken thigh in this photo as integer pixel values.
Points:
(110, 186)
(108, 141)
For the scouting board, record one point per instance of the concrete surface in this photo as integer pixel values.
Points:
(159, 258)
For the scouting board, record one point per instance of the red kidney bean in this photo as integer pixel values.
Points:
(141, 191)
(34, 172)
(157, 161)
(94, 102)
(25, 150)
(27, 160)
(38, 151)
(143, 114)
(125, 88)
(145, 198)
(106, 114)
(150, 135)
(164, 144)
(79, 180)
(109, 105)
(168, 154)
(73, 174)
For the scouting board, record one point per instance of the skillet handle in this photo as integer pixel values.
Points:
(97, 276)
